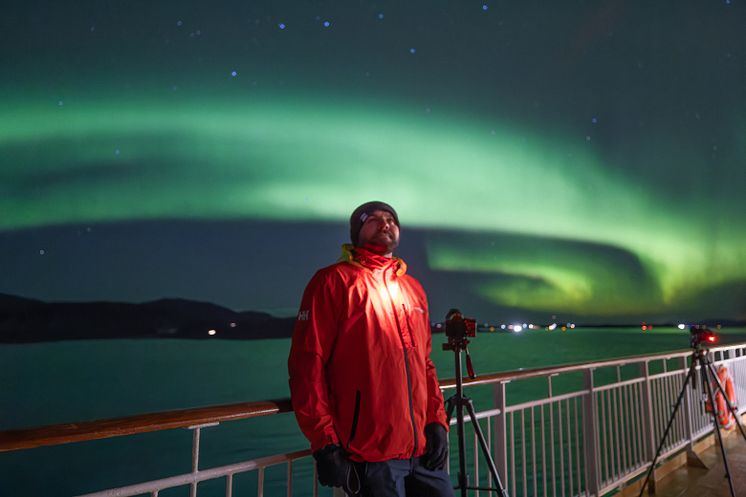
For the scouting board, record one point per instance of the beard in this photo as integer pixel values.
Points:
(382, 243)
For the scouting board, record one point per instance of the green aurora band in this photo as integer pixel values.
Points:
(280, 159)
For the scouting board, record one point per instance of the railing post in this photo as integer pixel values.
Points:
(501, 442)
(648, 420)
(590, 437)
(692, 458)
(196, 434)
(195, 458)
(688, 407)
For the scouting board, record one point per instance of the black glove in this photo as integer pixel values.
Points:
(436, 453)
(333, 466)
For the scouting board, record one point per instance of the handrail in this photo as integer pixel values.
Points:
(522, 374)
(141, 423)
(184, 418)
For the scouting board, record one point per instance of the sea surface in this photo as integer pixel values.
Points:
(64, 382)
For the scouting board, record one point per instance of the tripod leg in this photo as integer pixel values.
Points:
(485, 449)
(731, 407)
(717, 427)
(689, 377)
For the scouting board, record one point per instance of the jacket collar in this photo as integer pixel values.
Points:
(370, 260)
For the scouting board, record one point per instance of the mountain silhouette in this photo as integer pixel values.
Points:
(25, 320)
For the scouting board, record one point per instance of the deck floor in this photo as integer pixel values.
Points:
(700, 482)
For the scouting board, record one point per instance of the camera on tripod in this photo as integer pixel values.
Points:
(458, 331)
(703, 369)
(459, 327)
(701, 336)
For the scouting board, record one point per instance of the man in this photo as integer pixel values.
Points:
(363, 387)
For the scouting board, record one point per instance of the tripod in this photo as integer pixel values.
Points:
(459, 401)
(700, 355)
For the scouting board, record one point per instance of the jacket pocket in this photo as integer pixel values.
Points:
(355, 417)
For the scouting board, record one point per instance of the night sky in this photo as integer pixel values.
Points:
(577, 159)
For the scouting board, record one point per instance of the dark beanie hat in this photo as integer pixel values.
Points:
(362, 213)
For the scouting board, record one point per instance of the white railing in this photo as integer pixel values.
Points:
(604, 431)
(594, 429)
(588, 441)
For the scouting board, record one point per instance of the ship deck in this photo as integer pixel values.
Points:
(690, 481)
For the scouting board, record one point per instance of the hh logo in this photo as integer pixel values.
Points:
(303, 315)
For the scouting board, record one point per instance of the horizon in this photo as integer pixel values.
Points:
(498, 325)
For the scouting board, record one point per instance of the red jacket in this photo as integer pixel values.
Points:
(360, 371)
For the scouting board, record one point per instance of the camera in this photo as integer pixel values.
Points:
(702, 336)
(459, 327)
(458, 331)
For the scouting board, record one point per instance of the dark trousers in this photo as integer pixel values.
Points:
(403, 478)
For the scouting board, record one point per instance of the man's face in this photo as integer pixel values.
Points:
(379, 233)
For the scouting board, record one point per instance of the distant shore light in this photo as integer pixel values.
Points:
(211, 332)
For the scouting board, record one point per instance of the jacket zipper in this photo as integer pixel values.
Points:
(406, 368)
(411, 328)
(355, 415)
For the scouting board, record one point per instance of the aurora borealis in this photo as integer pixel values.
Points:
(584, 160)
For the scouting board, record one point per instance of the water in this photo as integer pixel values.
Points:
(76, 381)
